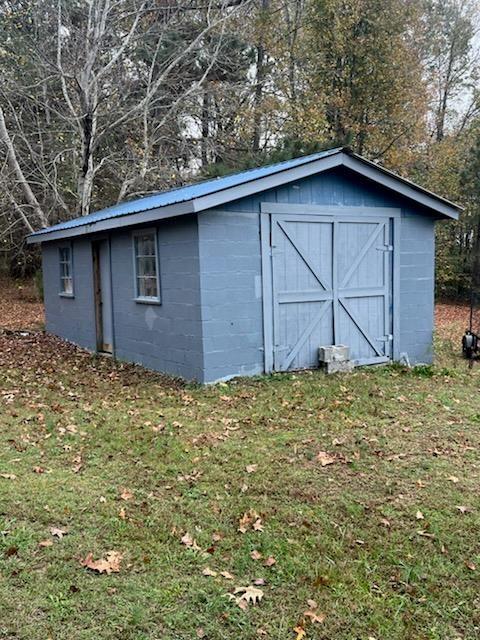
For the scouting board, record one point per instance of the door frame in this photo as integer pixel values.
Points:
(97, 293)
(269, 209)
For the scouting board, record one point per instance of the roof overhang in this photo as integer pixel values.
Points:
(438, 206)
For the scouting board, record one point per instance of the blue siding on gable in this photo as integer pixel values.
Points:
(70, 318)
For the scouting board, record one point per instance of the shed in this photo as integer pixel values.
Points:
(252, 272)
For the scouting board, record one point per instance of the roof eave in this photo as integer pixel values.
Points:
(441, 207)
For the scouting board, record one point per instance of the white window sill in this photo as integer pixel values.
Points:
(148, 300)
(66, 295)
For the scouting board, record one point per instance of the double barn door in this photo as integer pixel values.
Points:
(331, 283)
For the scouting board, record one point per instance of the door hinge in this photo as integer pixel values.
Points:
(388, 338)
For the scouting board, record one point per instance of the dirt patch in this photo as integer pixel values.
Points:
(20, 306)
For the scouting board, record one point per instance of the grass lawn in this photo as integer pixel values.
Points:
(361, 493)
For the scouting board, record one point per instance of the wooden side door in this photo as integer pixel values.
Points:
(103, 295)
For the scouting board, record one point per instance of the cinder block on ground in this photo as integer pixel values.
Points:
(334, 353)
(338, 367)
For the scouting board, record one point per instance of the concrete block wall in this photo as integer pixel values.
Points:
(70, 318)
(166, 336)
(232, 321)
(417, 285)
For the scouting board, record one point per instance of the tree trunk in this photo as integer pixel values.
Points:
(259, 84)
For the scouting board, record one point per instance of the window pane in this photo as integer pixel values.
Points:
(67, 285)
(146, 245)
(146, 267)
(150, 287)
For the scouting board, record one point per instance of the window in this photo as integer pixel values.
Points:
(66, 271)
(146, 266)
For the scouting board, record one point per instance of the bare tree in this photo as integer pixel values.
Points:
(101, 94)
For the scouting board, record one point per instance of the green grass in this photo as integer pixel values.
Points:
(345, 535)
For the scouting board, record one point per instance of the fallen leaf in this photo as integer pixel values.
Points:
(58, 533)
(269, 562)
(471, 565)
(325, 458)
(300, 631)
(256, 555)
(419, 516)
(226, 575)
(312, 604)
(190, 542)
(122, 514)
(45, 543)
(251, 468)
(463, 509)
(257, 525)
(109, 564)
(8, 476)
(249, 594)
(200, 633)
(453, 479)
(314, 617)
(38, 470)
(385, 522)
(250, 519)
(126, 494)
(209, 572)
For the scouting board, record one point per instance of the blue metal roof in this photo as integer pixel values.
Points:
(187, 193)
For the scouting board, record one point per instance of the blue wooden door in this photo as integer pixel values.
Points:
(331, 281)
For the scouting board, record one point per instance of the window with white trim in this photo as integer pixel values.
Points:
(146, 266)
(66, 271)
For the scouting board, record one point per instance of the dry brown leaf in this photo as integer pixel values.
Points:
(126, 494)
(314, 617)
(122, 514)
(453, 479)
(250, 519)
(200, 633)
(325, 458)
(471, 565)
(38, 470)
(226, 575)
(190, 542)
(257, 525)
(312, 604)
(251, 468)
(110, 564)
(58, 533)
(419, 516)
(269, 562)
(8, 476)
(256, 555)
(209, 572)
(45, 543)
